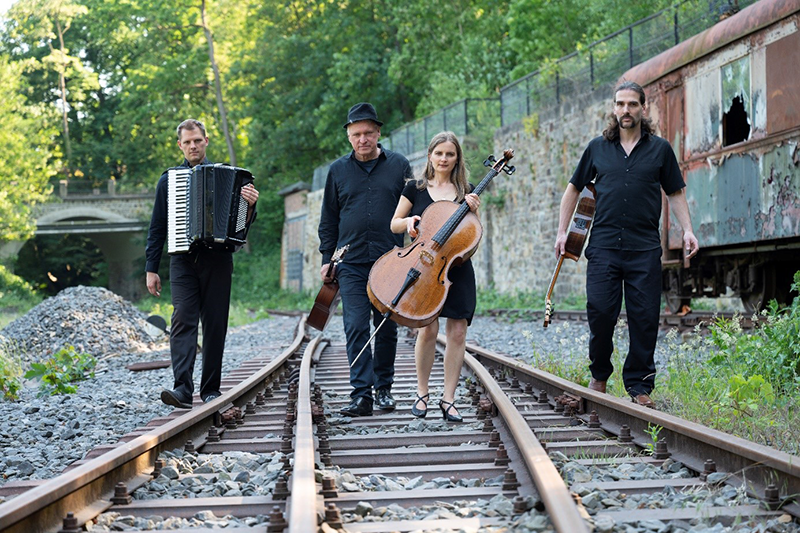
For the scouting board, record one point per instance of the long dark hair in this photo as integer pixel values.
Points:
(611, 133)
(459, 176)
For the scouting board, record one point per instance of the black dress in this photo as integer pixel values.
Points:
(461, 297)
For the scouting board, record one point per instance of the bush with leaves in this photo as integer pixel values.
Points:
(64, 367)
(771, 350)
(10, 371)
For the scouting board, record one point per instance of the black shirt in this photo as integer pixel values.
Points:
(158, 222)
(628, 207)
(358, 206)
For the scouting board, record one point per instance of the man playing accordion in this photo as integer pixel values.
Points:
(201, 285)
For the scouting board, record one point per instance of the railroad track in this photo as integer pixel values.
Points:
(668, 321)
(393, 472)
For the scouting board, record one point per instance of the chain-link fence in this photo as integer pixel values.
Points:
(462, 118)
(604, 61)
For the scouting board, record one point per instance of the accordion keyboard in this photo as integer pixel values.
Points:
(177, 210)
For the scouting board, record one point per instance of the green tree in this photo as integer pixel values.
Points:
(40, 26)
(26, 160)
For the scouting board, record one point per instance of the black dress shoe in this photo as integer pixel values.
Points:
(360, 406)
(384, 400)
(211, 396)
(170, 397)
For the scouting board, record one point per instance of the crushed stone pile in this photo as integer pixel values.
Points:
(93, 320)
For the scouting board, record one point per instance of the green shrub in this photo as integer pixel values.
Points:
(15, 291)
(64, 367)
(10, 371)
(771, 350)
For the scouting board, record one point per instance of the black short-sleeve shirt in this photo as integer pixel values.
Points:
(628, 203)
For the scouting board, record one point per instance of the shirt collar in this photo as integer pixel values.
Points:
(205, 161)
(382, 154)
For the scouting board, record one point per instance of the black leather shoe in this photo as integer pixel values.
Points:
(211, 396)
(384, 400)
(170, 397)
(360, 406)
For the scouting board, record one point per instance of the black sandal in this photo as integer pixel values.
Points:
(446, 411)
(420, 413)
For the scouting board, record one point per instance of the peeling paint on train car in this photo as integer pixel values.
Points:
(702, 112)
(746, 198)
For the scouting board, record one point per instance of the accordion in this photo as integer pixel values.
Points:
(205, 208)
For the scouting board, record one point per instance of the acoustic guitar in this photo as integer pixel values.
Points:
(328, 297)
(576, 238)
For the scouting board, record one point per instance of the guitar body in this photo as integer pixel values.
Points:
(324, 306)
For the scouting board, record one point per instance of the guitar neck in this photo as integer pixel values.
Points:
(554, 278)
(547, 307)
(330, 268)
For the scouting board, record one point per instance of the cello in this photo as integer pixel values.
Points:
(410, 284)
(576, 237)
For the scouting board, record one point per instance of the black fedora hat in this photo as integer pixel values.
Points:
(362, 111)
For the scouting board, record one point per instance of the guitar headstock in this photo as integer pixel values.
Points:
(339, 254)
(548, 312)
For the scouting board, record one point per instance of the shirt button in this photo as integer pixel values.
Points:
(627, 170)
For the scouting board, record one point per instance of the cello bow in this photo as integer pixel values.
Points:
(576, 238)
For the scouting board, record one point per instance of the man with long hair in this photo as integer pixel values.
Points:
(630, 167)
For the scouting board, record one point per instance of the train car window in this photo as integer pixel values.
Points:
(783, 98)
(735, 124)
(736, 101)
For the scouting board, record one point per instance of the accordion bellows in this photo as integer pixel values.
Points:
(205, 208)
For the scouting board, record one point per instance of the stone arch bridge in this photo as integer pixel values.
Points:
(116, 223)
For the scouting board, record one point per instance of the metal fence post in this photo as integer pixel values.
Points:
(558, 87)
(591, 68)
(675, 25)
(630, 44)
(466, 119)
(527, 96)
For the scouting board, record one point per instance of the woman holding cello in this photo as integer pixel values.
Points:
(444, 178)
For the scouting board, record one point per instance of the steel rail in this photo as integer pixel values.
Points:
(86, 490)
(303, 519)
(746, 462)
(555, 495)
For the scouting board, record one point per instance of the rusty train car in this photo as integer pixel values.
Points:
(728, 100)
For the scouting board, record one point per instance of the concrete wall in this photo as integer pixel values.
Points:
(520, 212)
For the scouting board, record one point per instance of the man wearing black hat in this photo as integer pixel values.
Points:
(361, 193)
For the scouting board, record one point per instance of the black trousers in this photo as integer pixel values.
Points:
(638, 274)
(201, 291)
(371, 370)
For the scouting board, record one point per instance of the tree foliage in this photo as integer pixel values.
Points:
(26, 157)
(128, 72)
